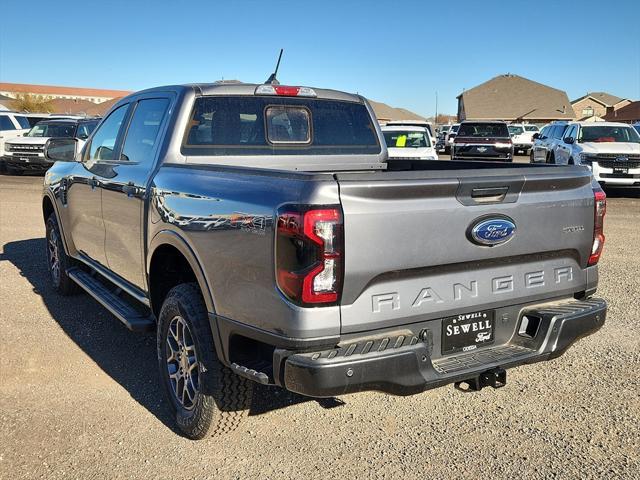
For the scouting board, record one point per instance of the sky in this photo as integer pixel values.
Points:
(397, 52)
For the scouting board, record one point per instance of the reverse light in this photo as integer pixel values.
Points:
(309, 255)
(599, 210)
(285, 91)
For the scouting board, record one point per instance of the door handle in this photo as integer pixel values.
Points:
(93, 182)
(489, 194)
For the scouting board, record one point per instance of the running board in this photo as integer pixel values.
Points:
(112, 300)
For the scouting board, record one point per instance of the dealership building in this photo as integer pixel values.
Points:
(53, 92)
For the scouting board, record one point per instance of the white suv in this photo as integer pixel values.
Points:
(611, 150)
(409, 142)
(27, 153)
(12, 125)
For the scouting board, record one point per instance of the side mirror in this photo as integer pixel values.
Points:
(536, 136)
(569, 140)
(61, 149)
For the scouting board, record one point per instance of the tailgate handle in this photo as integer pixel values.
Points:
(489, 194)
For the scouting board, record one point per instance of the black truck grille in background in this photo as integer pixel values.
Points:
(25, 148)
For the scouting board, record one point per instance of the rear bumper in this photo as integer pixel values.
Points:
(402, 364)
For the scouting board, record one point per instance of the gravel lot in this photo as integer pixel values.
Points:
(79, 396)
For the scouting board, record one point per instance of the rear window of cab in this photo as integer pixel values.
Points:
(256, 125)
(480, 129)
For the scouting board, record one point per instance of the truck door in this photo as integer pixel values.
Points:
(83, 192)
(124, 190)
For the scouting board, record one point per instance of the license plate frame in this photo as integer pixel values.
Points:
(25, 159)
(480, 331)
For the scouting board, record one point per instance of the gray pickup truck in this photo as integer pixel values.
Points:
(261, 232)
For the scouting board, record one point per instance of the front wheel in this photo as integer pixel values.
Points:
(57, 259)
(206, 397)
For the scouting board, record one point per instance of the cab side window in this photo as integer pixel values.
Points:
(85, 129)
(103, 143)
(6, 123)
(544, 133)
(142, 134)
(559, 132)
(571, 132)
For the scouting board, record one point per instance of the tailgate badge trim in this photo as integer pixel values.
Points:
(492, 230)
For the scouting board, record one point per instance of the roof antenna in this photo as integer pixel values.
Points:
(272, 78)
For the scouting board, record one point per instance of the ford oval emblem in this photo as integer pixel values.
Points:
(492, 231)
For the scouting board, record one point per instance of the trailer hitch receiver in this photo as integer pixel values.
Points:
(496, 378)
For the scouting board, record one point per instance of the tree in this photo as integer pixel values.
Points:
(25, 102)
(444, 119)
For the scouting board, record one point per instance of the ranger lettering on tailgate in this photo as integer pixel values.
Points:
(458, 291)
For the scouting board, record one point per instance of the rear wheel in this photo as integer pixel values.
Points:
(206, 397)
(57, 260)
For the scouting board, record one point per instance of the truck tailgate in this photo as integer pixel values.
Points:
(409, 258)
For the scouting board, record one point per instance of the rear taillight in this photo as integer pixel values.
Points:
(309, 255)
(599, 209)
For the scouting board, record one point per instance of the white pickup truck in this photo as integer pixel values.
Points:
(611, 150)
(409, 142)
(522, 136)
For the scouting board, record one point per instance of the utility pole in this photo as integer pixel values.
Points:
(435, 120)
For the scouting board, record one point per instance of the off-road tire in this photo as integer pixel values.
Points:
(61, 282)
(223, 398)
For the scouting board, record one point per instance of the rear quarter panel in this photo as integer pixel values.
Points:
(226, 216)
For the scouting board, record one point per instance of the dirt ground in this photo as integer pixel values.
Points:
(79, 396)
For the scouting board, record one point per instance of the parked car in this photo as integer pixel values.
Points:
(27, 153)
(522, 136)
(449, 136)
(611, 150)
(442, 131)
(12, 125)
(637, 127)
(409, 143)
(538, 141)
(415, 123)
(482, 141)
(260, 230)
(544, 148)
